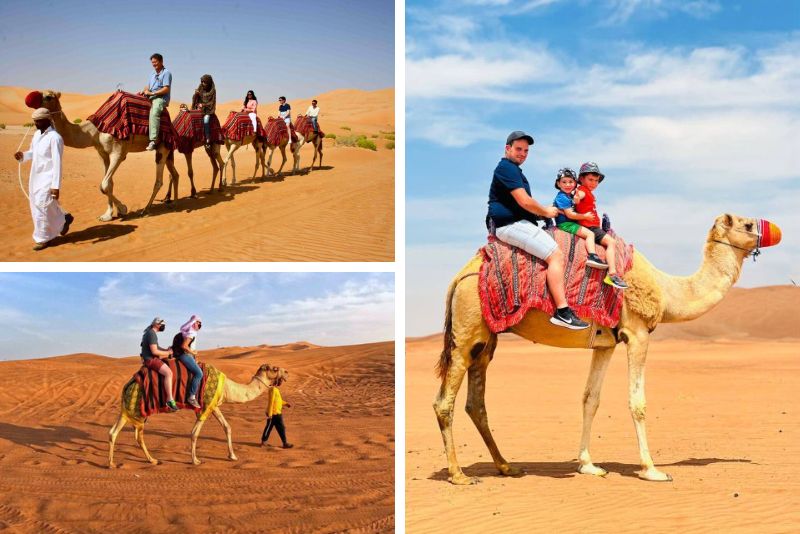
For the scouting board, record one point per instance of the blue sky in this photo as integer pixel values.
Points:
(689, 107)
(294, 48)
(47, 314)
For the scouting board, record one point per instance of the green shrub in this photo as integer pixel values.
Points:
(330, 136)
(388, 132)
(389, 136)
(366, 143)
(374, 136)
(2, 126)
(361, 137)
(346, 140)
(390, 145)
(346, 128)
(28, 124)
(77, 121)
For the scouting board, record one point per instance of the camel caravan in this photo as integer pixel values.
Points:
(509, 286)
(129, 122)
(171, 380)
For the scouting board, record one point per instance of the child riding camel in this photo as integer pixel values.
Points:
(566, 182)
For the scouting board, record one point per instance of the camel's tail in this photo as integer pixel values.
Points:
(446, 357)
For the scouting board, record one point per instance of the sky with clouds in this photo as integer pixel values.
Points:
(689, 107)
(296, 49)
(48, 314)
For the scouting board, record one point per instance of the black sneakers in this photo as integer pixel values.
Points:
(593, 260)
(568, 319)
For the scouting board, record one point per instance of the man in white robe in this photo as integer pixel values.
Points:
(47, 148)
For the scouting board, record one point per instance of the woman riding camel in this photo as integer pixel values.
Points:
(186, 352)
(205, 99)
(250, 106)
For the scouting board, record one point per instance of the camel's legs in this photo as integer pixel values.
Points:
(269, 160)
(591, 400)
(296, 157)
(283, 155)
(161, 161)
(637, 354)
(217, 164)
(138, 430)
(221, 418)
(112, 439)
(107, 185)
(443, 406)
(232, 147)
(196, 432)
(190, 172)
(476, 405)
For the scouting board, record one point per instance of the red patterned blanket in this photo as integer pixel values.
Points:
(154, 401)
(125, 114)
(238, 126)
(304, 125)
(189, 130)
(276, 131)
(511, 282)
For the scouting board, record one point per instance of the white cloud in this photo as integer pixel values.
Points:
(620, 11)
(116, 298)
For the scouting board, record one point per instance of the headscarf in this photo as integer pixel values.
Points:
(188, 329)
(208, 99)
(41, 113)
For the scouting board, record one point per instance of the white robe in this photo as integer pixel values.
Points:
(46, 151)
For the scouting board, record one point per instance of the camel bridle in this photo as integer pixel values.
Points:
(750, 251)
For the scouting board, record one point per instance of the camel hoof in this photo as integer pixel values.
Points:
(167, 201)
(461, 479)
(233, 457)
(154, 461)
(195, 461)
(654, 475)
(509, 471)
(122, 210)
(112, 466)
(105, 217)
(591, 469)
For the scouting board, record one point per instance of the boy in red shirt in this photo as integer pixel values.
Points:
(589, 178)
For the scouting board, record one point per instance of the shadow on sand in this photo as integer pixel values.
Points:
(52, 439)
(96, 234)
(569, 468)
(205, 199)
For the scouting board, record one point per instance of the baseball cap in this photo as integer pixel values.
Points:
(157, 320)
(518, 134)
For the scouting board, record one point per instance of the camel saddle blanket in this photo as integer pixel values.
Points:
(277, 132)
(238, 126)
(511, 282)
(126, 114)
(304, 125)
(189, 130)
(152, 399)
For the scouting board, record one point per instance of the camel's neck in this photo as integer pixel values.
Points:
(688, 297)
(238, 393)
(74, 135)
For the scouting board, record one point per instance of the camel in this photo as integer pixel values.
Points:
(313, 137)
(294, 148)
(112, 151)
(213, 153)
(231, 391)
(232, 147)
(653, 297)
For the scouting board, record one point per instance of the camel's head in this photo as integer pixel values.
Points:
(745, 233)
(50, 100)
(273, 374)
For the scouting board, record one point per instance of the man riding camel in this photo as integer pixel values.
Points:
(157, 90)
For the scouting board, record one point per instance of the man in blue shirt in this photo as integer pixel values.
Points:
(157, 91)
(513, 214)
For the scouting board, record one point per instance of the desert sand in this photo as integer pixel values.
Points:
(55, 414)
(342, 212)
(723, 420)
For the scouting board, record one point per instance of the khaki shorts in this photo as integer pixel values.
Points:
(528, 237)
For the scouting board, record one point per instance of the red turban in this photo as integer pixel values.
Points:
(34, 99)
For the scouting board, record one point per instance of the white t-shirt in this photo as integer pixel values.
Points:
(312, 111)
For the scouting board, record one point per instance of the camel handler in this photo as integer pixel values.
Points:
(44, 186)
(275, 405)
(513, 218)
(157, 90)
(152, 355)
(312, 113)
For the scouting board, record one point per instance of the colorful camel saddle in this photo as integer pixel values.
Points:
(511, 282)
(146, 389)
(189, 130)
(126, 114)
(238, 126)
(304, 125)
(277, 133)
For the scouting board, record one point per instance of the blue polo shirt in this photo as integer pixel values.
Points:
(563, 202)
(503, 209)
(159, 80)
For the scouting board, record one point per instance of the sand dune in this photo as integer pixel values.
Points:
(55, 414)
(722, 420)
(343, 212)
